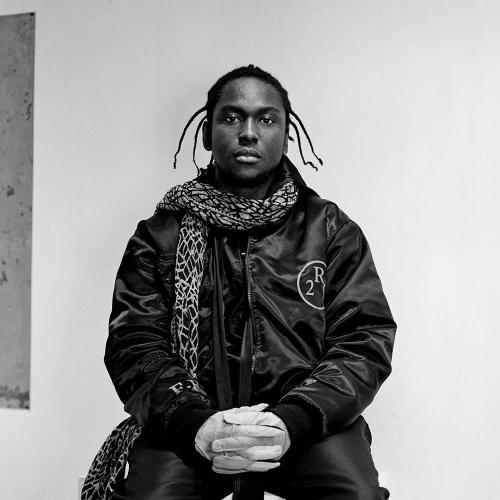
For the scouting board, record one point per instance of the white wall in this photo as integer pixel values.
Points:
(401, 99)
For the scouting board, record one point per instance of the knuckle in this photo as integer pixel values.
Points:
(251, 455)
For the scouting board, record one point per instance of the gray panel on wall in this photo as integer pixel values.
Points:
(17, 37)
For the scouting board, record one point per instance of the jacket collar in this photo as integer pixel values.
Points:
(292, 170)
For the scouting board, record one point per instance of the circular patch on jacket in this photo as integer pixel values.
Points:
(311, 283)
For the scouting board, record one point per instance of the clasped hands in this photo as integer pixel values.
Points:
(245, 439)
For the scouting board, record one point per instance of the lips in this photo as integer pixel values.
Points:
(247, 155)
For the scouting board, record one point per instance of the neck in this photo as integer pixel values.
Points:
(257, 189)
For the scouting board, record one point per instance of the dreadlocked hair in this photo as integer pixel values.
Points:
(214, 95)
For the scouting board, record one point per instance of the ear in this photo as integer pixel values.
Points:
(285, 145)
(207, 141)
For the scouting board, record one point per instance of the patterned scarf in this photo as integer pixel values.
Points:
(204, 205)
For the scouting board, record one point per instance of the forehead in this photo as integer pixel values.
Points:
(250, 92)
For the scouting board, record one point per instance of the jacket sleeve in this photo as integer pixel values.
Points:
(358, 339)
(149, 377)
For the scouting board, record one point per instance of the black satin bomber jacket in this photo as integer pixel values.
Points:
(323, 329)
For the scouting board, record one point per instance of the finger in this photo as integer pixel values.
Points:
(255, 418)
(233, 462)
(244, 442)
(227, 471)
(248, 409)
(262, 466)
(257, 453)
(257, 431)
(235, 443)
(255, 408)
(244, 417)
(236, 465)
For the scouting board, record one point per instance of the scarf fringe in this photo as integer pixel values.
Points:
(108, 465)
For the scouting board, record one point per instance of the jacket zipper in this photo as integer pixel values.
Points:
(247, 374)
(244, 254)
(251, 319)
(250, 310)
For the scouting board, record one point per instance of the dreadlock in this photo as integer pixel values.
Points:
(214, 95)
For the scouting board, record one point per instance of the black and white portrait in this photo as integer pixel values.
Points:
(231, 321)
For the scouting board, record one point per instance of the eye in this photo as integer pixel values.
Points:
(267, 120)
(231, 119)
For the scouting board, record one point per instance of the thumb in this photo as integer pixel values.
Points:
(246, 418)
(255, 408)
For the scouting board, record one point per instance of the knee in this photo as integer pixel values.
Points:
(341, 465)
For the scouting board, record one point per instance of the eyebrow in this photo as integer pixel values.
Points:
(234, 107)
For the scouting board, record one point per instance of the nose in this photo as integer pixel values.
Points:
(248, 132)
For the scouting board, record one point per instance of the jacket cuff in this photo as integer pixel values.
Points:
(182, 427)
(177, 431)
(303, 427)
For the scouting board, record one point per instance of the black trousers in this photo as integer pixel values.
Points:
(340, 467)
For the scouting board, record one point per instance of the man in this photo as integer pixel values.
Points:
(249, 328)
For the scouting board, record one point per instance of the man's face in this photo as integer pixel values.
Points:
(248, 131)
